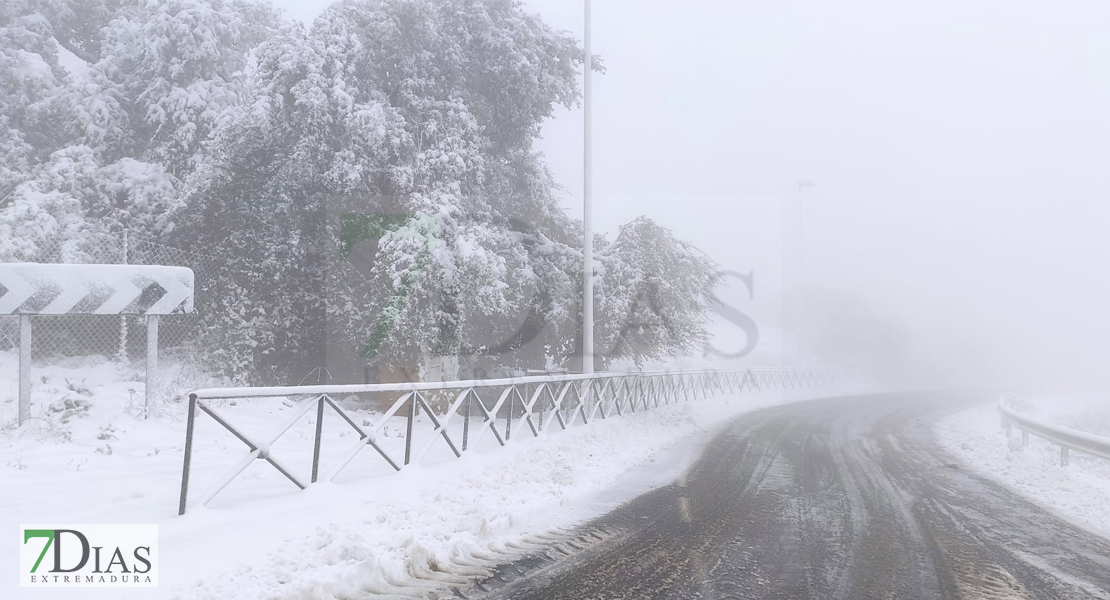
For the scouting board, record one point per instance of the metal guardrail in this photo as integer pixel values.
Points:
(535, 405)
(1066, 437)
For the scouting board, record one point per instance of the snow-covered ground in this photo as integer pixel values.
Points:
(88, 458)
(1079, 492)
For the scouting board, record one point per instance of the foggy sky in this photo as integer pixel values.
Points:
(959, 151)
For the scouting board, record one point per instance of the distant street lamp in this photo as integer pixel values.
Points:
(803, 185)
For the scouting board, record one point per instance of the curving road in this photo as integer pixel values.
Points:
(842, 498)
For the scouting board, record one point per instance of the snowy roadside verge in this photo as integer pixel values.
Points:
(389, 534)
(1079, 492)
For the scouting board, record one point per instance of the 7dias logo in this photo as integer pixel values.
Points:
(80, 556)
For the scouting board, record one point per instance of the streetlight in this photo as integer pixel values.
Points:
(587, 213)
(803, 185)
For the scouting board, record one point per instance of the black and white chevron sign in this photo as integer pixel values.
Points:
(50, 289)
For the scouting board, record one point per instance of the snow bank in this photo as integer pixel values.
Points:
(420, 530)
(1079, 492)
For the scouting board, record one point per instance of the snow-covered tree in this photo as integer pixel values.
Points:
(43, 219)
(656, 294)
(30, 81)
(420, 109)
(73, 206)
(16, 158)
(129, 130)
(367, 188)
(77, 25)
(166, 70)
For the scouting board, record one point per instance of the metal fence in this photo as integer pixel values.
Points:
(120, 336)
(460, 413)
(1067, 438)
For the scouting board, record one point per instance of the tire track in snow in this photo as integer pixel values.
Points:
(840, 498)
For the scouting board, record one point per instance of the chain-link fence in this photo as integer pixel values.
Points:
(122, 337)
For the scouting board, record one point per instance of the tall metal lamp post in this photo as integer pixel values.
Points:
(587, 213)
(803, 185)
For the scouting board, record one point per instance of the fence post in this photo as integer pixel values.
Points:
(588, 400)
(542, 399)
(408, 428)
(512, 405)
(319, 434)
(1024, 439)
(188, 453)
(1063, 456)
(151, 362)
(466, 419)
(24, 368)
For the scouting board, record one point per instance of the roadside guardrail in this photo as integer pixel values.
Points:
(461, 412)
(1067, 438)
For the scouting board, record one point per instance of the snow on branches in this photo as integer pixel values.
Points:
(214, 125)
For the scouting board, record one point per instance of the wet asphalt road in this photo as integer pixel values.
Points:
(844, 498)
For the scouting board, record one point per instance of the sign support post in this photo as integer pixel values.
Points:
(24, 368)
(28, 289)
